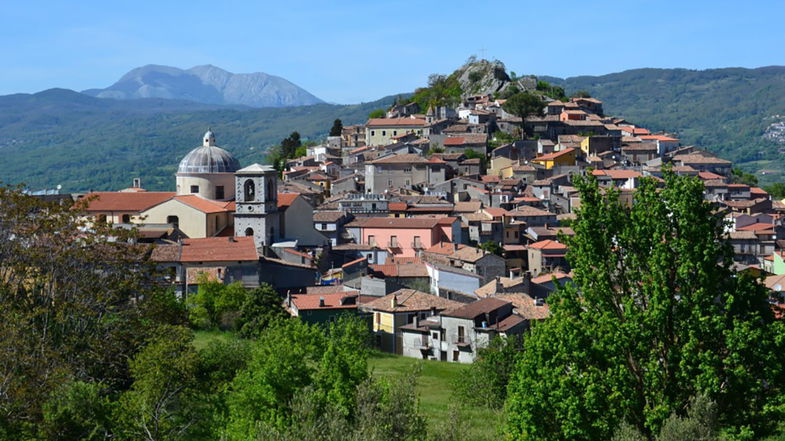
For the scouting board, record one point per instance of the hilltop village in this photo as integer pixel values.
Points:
(445, 226)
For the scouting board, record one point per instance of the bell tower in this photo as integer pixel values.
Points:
(256, 200)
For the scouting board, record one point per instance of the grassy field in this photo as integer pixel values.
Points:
(435, 386)
(203, 338)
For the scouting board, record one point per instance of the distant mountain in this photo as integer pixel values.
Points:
(206, 84)
(59, 136)
(731, 111)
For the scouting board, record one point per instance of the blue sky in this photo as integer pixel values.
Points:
(356, 51)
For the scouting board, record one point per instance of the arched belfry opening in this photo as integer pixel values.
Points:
(249, 190)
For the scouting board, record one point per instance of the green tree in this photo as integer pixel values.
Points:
(76, 302)
(164, 401)
(378, 113)
(492, 247)
(523, 104)
(289, 145)
(262, 307)
(337, 128)
(485, 381)
(344, 364)
(655, 316)
(581, 94)
(700, 424)
(77, 411)
(283, 362)
(739, 176)
(776, 190)
(216, 304)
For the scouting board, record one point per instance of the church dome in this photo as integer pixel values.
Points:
(208, 158)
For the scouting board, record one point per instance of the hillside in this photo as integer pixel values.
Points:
(207, 84)
(64, 137)
(725, 110)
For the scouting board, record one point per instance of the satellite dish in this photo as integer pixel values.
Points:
(777, 287)
(59, 187)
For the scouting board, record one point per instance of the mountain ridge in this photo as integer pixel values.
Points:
(207, 84)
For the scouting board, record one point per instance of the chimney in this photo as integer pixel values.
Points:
(321, 302)
(289, 298)
(499, 286)
(394, 301)
(455, 247)
(137, 183)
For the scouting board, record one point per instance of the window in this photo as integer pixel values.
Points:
(371, 240)
(441, 334)
(461, 334)
(378, 318)
(373, 133)
(249, 190)
(219, 192)
(435, 335)
(126, 218)
(102, 218)
(384, 133)
(395, 133)
(173, 221)
(417, 242)
(455, 355)
(324, 226)
(393, 241)
(194, 189)
(249, 231)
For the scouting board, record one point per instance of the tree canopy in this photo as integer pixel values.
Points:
(655, 316)
(524, 104)
(337, 128)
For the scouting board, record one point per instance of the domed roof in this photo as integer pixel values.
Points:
(208, 158)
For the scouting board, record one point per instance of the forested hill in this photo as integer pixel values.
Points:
(724, 110)
(63, 137)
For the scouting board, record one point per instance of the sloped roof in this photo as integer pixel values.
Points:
(554, 155)
(202, 204)
(126, 201)
(476, 309)
(548, 245)
(396, 122)
(411, 300)
(210, 249)
(405, 158)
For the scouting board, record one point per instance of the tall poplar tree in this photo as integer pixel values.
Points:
(655, 316)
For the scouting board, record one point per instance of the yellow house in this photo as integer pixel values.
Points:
(380, 131)
(499, 163)
(400, 308)
(566, 157)
(194, 215)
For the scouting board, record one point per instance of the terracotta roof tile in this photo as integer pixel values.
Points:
(126, 201)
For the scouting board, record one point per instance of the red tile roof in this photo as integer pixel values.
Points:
(126, 201)
(548, 245)
(331, 301)
(618, 174)
(286, 199)
(211, 249)
(554, 155)
(202, 204)
(396, 122)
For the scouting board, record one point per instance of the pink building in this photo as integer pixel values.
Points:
(404, 236)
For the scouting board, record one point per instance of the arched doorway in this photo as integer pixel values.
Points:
(249, 232)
